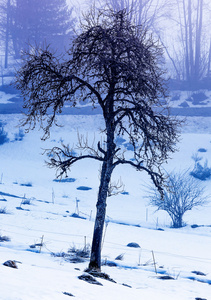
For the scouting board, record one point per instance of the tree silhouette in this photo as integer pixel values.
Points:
(115, 65)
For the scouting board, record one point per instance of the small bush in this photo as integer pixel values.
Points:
(201, 172)
(83, 252)
(58, 254)
(196, 158)
(26, 201)
(74, 255)
(182, 193)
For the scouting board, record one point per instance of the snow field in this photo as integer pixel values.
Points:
(42, 276)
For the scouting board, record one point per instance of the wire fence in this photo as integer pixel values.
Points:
(68, 238)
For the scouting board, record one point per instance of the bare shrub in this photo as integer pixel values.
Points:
(183, 192)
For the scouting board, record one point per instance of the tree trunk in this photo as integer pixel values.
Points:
(107, 169)
(95, 260)
(209, 61)
(198, 40)
(187, 63)
(7, 35)
(190, 41)
(177, 220)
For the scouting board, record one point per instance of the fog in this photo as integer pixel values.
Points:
(182, 28)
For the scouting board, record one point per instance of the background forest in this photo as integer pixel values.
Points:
(181, 26)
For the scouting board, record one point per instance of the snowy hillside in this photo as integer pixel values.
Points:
(35, 206)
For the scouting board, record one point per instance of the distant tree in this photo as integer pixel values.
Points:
(5, 6)
(183, 193)
(117, 66)
(147, 12)
(190, 53)
(38, 22)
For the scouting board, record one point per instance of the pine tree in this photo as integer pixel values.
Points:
(38, 22)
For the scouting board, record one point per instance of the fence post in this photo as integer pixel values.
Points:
(106, 225)
(153, 256)
(53, 196)
(139, 258)
(90, 217)
(41, 244)
(85, 243)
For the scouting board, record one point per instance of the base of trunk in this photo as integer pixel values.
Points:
(93, 266)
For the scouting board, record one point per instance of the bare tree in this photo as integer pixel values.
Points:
(147, 12)
(28, 23)
(182, 194)
(5, 17)
(192, 20)
(115, 65)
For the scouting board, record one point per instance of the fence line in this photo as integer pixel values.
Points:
(41, 231)
(118, 246)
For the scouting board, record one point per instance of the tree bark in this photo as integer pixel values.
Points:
(107, 169)
(95, 260)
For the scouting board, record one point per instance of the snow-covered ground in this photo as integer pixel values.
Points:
(178, 252)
